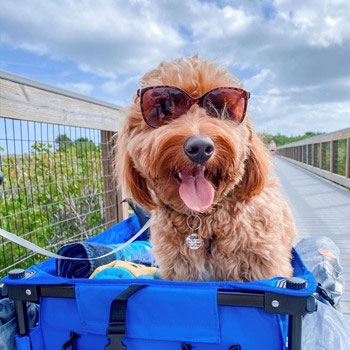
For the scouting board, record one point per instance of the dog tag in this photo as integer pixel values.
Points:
(193, 241)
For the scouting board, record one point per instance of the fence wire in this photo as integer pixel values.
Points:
(57, 188)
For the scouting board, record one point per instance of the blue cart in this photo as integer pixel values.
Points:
(88, 314)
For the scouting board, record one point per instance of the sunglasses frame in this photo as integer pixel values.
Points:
(199, 100)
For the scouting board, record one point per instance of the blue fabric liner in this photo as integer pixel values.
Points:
(152, 307)
(162, 315)
(23, 343)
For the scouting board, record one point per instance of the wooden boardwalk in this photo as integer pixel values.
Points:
(320, 208)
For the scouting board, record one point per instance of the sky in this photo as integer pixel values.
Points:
(292, 55)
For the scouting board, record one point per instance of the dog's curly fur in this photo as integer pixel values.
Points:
(249, 230)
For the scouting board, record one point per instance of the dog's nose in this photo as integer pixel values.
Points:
(199, 148)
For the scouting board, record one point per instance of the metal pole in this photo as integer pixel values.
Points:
(22, 317)
(294, 338)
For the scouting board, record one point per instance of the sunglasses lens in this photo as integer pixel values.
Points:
(226, 102)
(161, 105)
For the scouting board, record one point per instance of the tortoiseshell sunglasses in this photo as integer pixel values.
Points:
(162, 104)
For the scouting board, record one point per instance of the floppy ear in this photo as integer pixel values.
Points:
(130, 181)
(256, 169)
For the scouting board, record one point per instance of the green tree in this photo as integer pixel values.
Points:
(84, 145)
(63, 142)
(283, 139)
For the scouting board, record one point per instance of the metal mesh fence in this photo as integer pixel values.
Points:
(57, 186)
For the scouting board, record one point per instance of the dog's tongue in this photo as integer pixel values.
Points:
(196, 192)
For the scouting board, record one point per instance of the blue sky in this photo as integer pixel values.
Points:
(292, 55)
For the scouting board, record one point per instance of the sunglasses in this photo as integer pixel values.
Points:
(162, 104)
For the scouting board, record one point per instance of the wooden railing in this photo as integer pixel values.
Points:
(56, 157)
(327, 155)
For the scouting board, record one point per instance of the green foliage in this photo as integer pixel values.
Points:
(51, 197)
(282, 139)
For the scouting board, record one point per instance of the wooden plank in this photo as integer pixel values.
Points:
(19, 101)
(45, 87)
(339, 179)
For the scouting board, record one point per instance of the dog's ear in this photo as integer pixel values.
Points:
(130, 181)
(256, 169)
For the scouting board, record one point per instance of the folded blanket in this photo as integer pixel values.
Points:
(138, 252)
(82, 268)
(125, 269)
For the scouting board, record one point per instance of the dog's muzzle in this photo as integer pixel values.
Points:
(199, 149)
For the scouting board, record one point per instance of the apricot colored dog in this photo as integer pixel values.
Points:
(196, 163)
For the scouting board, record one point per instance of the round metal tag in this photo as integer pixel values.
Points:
(193, 241)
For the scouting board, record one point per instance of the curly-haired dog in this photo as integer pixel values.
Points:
(197, 164)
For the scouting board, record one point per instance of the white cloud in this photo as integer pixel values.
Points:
(105, 37)
(110, 87)
(259, 79)
(319, 23)
(121, 92)
(81, 88)
(296, 52)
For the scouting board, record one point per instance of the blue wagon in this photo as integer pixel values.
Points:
(142, 314)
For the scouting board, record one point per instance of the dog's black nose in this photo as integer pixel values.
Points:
(199, 148)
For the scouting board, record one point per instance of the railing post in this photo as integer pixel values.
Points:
(112, 198)
(316, 155)
(309, 154)
(347, 155)
(322, 155)
(302, 154)
(313, 154)
(334, 157)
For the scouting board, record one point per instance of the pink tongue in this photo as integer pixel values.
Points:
(196, 192)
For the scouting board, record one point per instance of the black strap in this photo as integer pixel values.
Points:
(71, 343)
(325, 295)
(185, 346)
(117, 318)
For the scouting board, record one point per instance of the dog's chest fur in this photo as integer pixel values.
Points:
(239, 245)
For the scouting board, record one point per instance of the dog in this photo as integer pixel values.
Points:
(188, 153)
